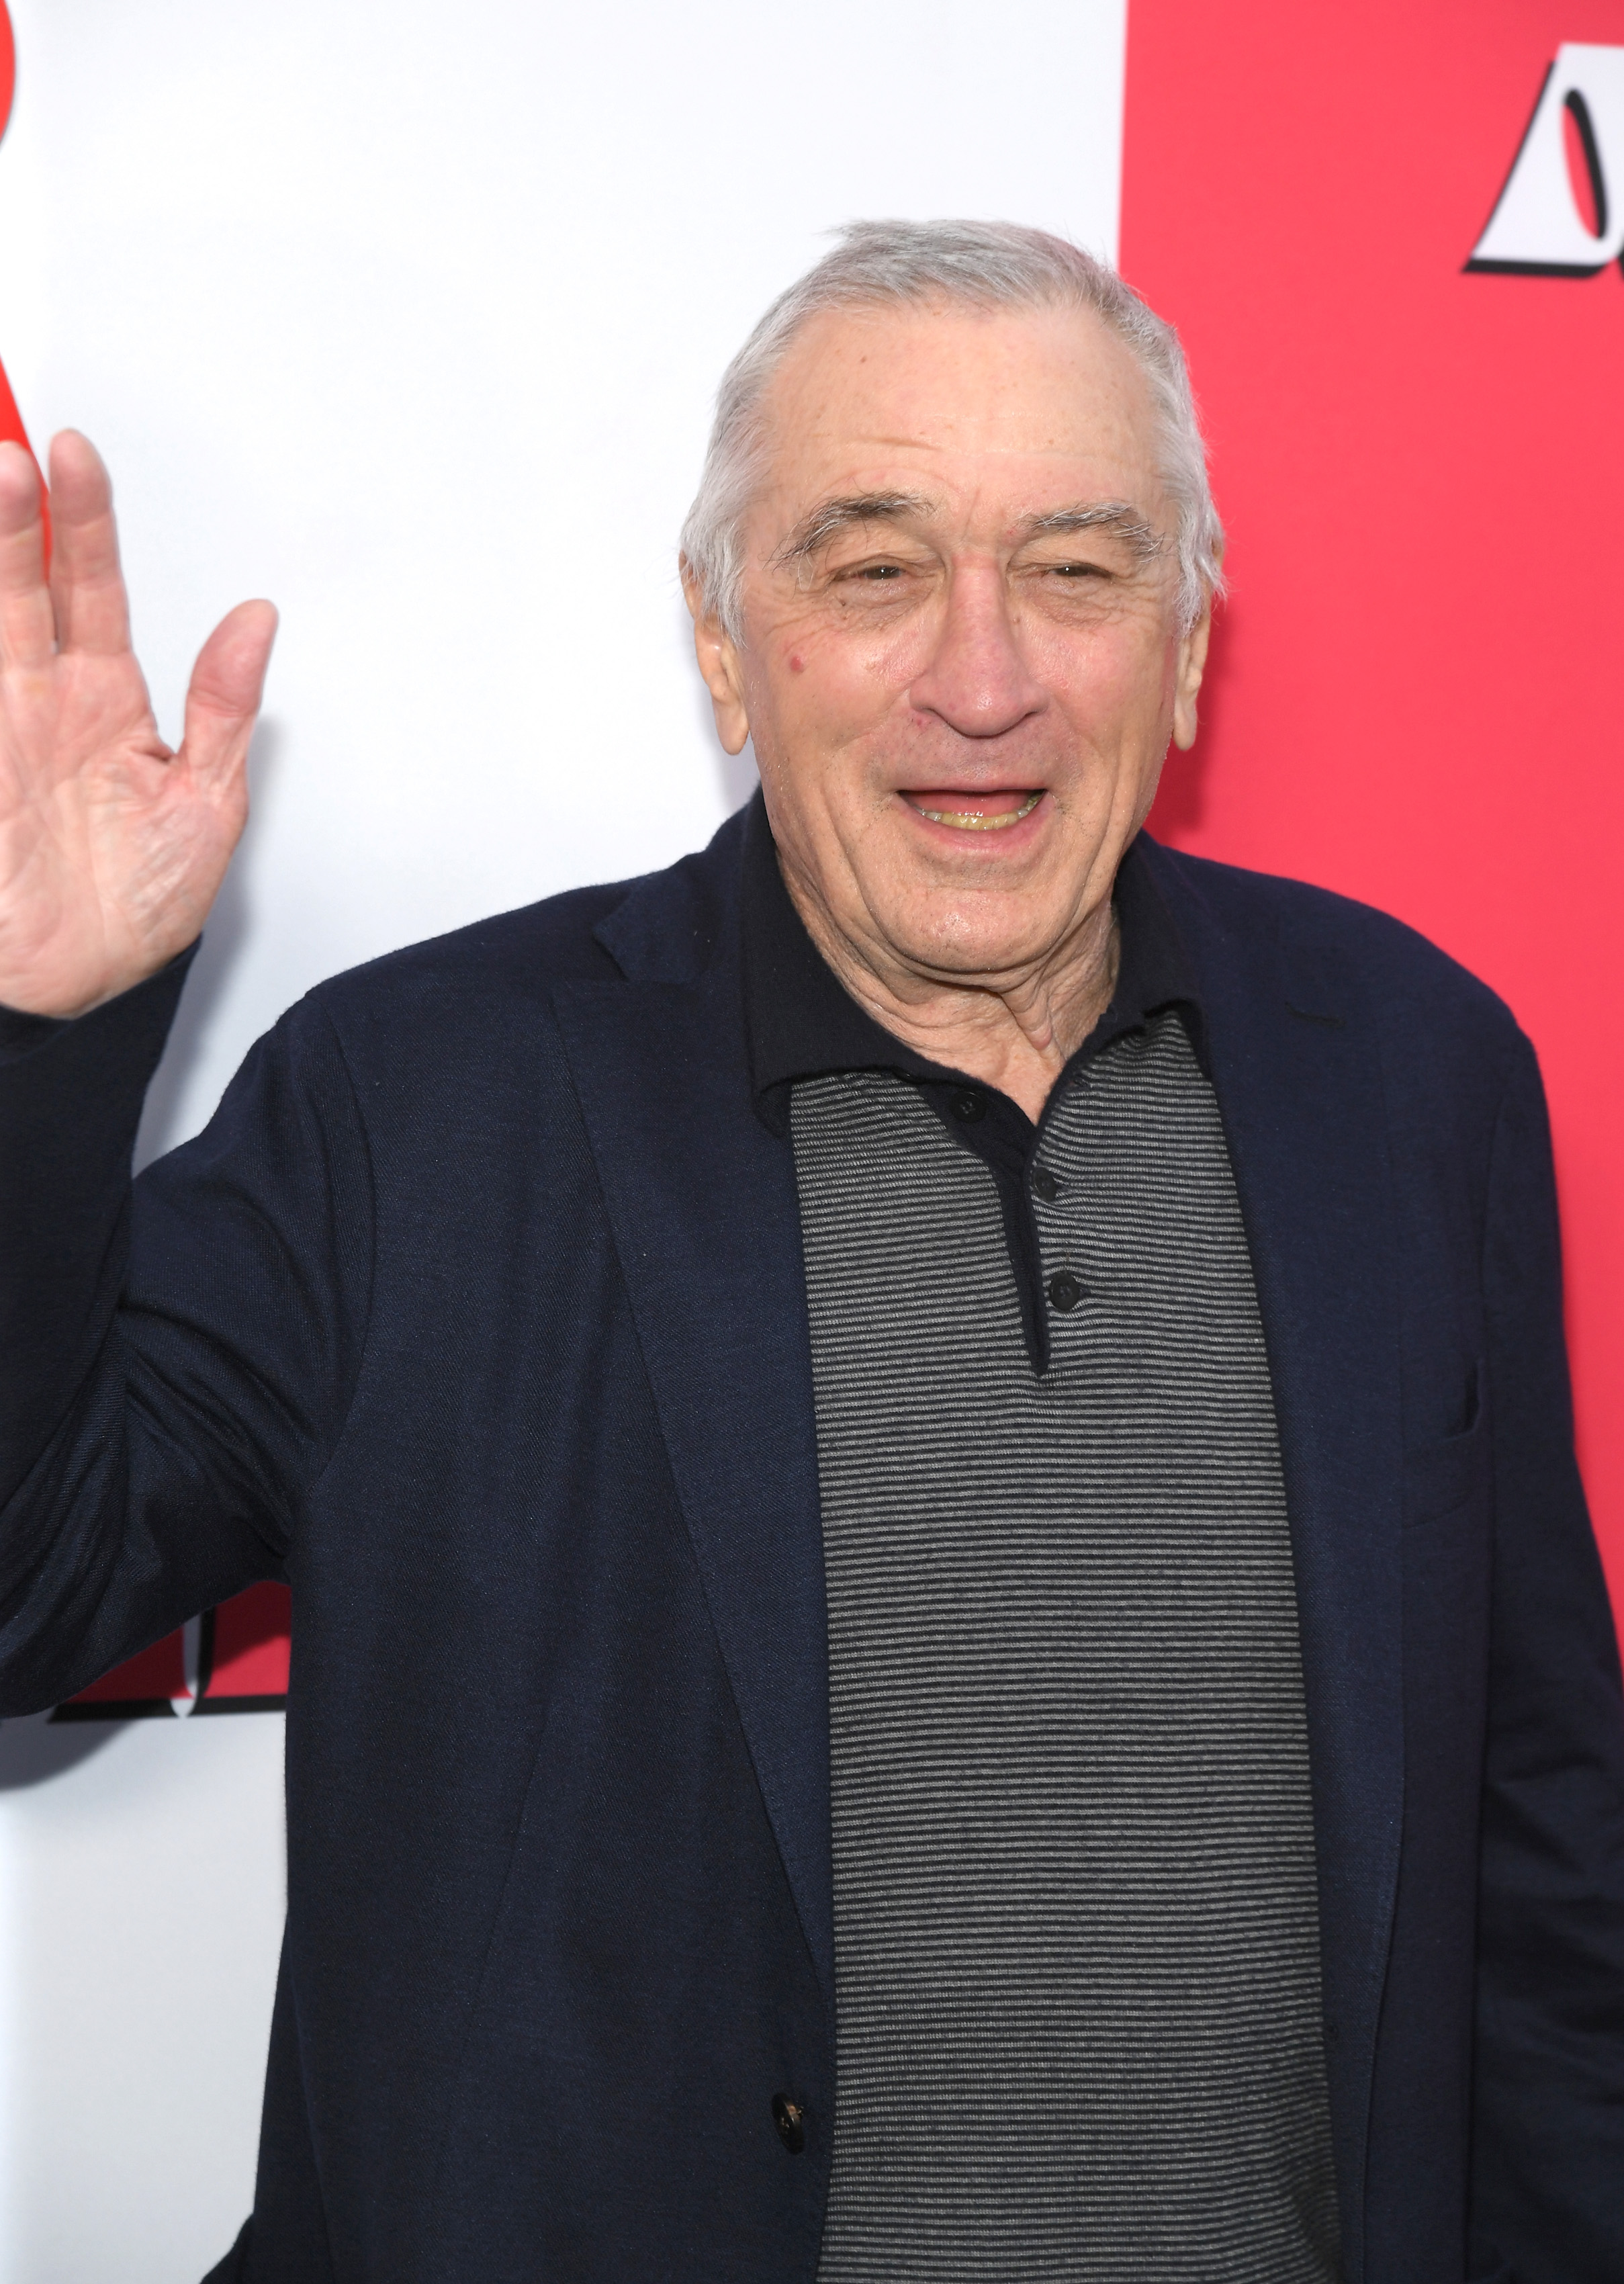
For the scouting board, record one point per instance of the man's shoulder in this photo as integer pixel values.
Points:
(494, 974)
(1391, 962)
(538, 945)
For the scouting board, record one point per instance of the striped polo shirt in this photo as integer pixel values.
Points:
(1078, 2025)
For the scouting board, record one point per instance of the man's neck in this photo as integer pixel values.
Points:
(1013, 1032)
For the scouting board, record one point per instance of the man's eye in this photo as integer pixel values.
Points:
(1081, 570)
(876, 572)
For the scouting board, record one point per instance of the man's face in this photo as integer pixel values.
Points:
(960, 666)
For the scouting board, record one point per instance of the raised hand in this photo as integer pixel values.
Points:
(111, 846)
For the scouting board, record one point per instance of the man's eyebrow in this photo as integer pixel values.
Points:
(1118, 517)
(831, 517)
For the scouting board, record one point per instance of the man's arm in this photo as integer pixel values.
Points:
(1547, 2193)
(180, 1358)
(124, 1471)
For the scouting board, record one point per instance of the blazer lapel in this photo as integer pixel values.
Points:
(702, 1201)
(1297, 1070)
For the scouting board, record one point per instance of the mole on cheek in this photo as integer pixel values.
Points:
(798, 664)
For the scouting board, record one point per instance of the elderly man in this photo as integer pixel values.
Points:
(944, 1624)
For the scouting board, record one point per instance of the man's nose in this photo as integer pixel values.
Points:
(976, 679)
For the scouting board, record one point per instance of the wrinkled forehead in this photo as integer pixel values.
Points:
(955, 400)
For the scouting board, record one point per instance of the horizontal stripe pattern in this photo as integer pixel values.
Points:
(1076, 1932)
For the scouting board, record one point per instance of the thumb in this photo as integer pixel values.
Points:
(227, 684)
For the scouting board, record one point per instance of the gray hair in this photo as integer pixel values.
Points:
(986, 265)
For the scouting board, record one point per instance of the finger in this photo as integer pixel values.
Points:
(27, 623)
(227, 684)
(92, 613)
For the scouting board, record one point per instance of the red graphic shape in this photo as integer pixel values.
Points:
(11, 430)
(141, 1684)
(1414, 694)
(247, 1655)
(242, 1662)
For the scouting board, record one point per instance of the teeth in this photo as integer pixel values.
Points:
(972, 820)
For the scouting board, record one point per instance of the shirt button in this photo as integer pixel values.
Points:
(1064, 1290)
(790, 2120)
(1045, 1184)
(968, 1105)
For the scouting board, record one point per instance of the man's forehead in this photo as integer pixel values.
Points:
(927, 399)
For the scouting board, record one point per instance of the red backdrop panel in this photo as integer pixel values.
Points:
(153, 1679)
(248, 1654)
(243, 1663)
(1415, 693)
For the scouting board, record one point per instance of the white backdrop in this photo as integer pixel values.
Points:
(409, 318)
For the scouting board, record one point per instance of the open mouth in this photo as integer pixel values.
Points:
(975, 812)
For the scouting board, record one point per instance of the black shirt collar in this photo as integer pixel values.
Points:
(802, 1023)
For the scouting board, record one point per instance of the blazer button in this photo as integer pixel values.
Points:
(790, 2120)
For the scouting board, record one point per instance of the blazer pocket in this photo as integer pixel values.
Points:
(1440, 1476)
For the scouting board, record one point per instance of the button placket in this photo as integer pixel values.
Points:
(1064, 1289)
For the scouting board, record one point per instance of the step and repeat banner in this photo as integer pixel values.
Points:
(411, 321)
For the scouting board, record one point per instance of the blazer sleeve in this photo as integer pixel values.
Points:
(1547, 2175)
(179, 1354)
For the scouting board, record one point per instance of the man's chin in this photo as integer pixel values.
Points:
(968, 939)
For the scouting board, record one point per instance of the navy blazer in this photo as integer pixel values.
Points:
(477, 1315)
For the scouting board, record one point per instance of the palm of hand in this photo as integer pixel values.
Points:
(111, 846)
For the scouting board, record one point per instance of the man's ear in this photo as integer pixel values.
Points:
(1192, 667)
(718, 657)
